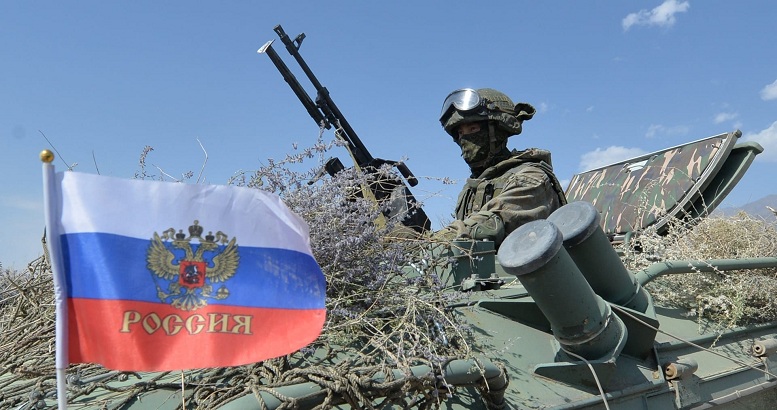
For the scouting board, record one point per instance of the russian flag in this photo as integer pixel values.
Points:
(172, 276)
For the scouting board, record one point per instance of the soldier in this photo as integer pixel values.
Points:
(507, 188)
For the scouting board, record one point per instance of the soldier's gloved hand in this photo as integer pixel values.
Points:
(485, 225)
(461, 229)
(445, 234)
(455, 230)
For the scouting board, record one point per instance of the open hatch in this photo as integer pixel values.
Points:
(685, 181)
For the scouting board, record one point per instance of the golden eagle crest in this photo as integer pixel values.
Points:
(175, 259)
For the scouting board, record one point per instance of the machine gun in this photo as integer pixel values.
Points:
(391, 192)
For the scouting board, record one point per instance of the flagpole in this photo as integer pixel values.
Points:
(51, 205)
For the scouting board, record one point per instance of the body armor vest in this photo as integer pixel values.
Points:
(478, 191)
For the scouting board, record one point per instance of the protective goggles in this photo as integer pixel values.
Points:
(465, 99)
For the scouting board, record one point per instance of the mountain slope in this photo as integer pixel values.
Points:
(755, 208)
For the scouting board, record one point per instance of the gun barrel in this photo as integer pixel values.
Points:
(289, 77)
(325, 102)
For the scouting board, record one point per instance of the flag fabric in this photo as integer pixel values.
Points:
(171, 276)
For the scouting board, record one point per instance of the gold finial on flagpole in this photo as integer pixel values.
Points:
(46, 156)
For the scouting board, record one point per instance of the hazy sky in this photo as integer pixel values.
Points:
(610, 80)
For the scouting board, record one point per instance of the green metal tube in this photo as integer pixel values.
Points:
(655, 270)
(680, 369)
(456, 372)
(587, 244)
(580, 319)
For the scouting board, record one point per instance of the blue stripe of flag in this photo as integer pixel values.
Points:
(107, 266)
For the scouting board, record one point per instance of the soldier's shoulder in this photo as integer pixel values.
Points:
(533, 155)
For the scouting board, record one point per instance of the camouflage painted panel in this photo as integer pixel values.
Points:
(634, 194)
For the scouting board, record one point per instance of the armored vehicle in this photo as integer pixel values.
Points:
(554, 320)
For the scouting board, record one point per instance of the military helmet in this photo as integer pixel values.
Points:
(485, 104)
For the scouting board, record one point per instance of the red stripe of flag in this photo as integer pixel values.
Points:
(153, 336)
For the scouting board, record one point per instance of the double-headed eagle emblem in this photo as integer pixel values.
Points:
(192, 265)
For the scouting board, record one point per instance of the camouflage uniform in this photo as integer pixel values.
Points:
(507, 188)
(513, 192)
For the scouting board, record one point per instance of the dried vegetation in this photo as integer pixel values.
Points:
(381, 316)
(730, 298)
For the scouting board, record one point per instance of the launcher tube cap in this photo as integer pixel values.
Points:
(577, 221)
(529, 247)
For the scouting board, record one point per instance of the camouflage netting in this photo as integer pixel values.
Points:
(379, 317)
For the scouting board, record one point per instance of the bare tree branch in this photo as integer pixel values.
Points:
(204, 162)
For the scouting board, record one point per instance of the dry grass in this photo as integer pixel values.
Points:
(730, 298)
(380, 315)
